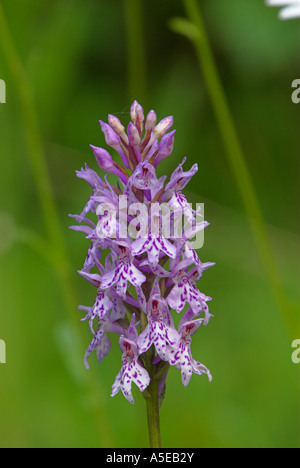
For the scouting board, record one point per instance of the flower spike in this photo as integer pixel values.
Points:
(141, 259)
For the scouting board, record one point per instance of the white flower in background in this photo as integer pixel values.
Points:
(291, 8)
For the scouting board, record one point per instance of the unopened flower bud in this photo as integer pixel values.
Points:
(163, 126)
(133, 111)
(115, 124)
(140, 117)
(103, 158)
(151, 120)
(111, 138)
(133, 135)
(166, 145)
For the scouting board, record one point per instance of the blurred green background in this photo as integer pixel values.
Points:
(78, 59)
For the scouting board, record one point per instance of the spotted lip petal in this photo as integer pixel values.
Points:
(186, 291)
(101, 342)
(131, 371)
(125, 271)
(181, 356)
(183, 360)
(153, 246)
(101, 307)
(160, 330)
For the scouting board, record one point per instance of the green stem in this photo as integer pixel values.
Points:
(151, 392)
(195, 31)
(135, 49)
(152, 402)
(49, 210)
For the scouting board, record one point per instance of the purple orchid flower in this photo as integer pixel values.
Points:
(185, 291)
(132, 370)
(160, 330)
(144, 177)
(154, 243)
(179, 179)
(124, 271)
(181, 356)
(144, 273)
(191, 254)
(100, 342)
